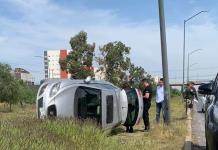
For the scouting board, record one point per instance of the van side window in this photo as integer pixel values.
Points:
(110, 108)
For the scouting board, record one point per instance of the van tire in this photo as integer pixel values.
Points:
(52, 111)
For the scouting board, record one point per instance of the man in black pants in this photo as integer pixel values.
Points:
(147, 95)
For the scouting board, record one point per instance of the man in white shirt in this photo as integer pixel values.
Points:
(159, 99)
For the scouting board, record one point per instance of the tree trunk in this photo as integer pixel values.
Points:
(10, 106)
(21, 104)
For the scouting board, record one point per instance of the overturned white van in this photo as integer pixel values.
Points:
(97, 100)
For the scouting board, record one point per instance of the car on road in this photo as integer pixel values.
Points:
(89, 99)
(201, 103)
(204, 99)
(211, 115)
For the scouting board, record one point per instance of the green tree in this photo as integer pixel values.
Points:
(138, 73)
(26, 94)
(9, 87)
(12, 90)
(79, 61)
(114, 62)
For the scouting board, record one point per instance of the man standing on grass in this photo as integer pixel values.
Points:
(147, 95)
(159, 99)
(190, 94)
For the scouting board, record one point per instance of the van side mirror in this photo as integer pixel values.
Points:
(205, 89)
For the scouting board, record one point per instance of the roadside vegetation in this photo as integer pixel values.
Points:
(20, 129)
(13, 91)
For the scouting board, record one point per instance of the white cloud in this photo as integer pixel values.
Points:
(44, 25)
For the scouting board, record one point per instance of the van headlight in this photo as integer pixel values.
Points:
(55, 88)
(42, 90)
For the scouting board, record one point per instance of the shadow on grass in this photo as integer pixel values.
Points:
(5, 110)
(179, 118)
(198, 147)
(116, 131)
(121, 130)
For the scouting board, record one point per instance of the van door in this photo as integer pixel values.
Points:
(135, 106)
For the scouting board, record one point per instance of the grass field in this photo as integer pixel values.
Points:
(21, 130)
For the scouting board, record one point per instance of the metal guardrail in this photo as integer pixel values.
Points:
(198, 82)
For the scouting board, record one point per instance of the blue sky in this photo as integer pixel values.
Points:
(28, 27)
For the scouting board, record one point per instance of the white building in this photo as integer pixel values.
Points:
(52, 66)
(24, 75)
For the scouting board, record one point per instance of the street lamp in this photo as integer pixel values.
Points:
(188, 67)
(192, 65)
(39, 57)
(185, 21)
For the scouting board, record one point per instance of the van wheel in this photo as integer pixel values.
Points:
(52, 112)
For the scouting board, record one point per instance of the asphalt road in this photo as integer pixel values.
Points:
(198, 130)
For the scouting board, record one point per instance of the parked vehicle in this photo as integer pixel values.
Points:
(211, 116)
(204, 98)
(201, 103)
(83, 99)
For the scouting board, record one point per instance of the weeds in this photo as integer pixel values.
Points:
(20, 130)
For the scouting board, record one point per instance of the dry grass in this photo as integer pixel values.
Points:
(21, 130)
(160, 137)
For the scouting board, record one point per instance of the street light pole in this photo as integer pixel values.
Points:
(183, 71)
(164, 63)
(188, 66)
(188, 69)
(184, 45)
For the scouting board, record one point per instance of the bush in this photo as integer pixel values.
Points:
(174, 92)
(12, 90)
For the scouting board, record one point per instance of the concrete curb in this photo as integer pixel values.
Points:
(188, 138)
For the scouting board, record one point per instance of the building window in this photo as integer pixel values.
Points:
(110, 109)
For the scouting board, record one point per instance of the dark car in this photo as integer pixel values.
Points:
(204, 96)
(211, 125)
(211, 115)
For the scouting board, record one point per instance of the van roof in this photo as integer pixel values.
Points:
(93, 83)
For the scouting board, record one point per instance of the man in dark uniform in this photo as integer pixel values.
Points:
(147, 95)
(190, 94)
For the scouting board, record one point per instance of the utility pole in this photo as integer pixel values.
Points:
(164, 63)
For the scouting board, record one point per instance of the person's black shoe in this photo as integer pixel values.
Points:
(127, 129)
(131, 130)
(147, 128)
